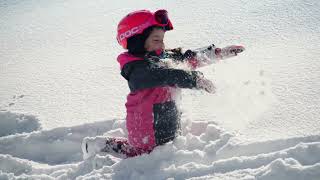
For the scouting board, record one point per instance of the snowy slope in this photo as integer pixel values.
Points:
(60, 82)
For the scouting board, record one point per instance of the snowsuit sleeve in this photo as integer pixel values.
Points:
(193, 58)
(146, 74)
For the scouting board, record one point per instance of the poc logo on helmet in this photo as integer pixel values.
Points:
(129, 33)
(133, 31)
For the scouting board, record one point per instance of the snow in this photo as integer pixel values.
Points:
(17, 123)
(60, 83)
(207, 155)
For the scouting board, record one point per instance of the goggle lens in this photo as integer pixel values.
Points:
(161, 16)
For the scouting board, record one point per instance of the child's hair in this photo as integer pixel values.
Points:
(136, 43)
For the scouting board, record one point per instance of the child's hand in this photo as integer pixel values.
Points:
(235, 49)
(206, 85)
(229, 51)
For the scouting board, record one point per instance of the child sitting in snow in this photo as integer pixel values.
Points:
(152, 115)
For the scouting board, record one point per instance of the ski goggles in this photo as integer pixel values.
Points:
(162, 19)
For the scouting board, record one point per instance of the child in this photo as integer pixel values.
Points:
(152, 115)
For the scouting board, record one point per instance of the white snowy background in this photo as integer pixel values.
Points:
(60, 82)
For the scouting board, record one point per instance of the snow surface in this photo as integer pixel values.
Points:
(60, 82)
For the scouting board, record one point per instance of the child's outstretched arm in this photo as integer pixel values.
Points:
(204, 56)
(144, 74)
(212, 54)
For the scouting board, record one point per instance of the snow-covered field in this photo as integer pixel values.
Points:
(60, 82)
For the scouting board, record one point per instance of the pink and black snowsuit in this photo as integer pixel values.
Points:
(152, 114)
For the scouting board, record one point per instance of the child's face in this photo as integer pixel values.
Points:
(155, 40)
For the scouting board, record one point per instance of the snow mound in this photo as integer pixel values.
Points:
(12, 123)
(203, 151)
(56, 146)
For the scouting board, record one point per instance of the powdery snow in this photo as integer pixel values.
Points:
(17, 123)
(205, 151)
(60, 83)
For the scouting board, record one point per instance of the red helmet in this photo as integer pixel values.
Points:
(137, 21)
